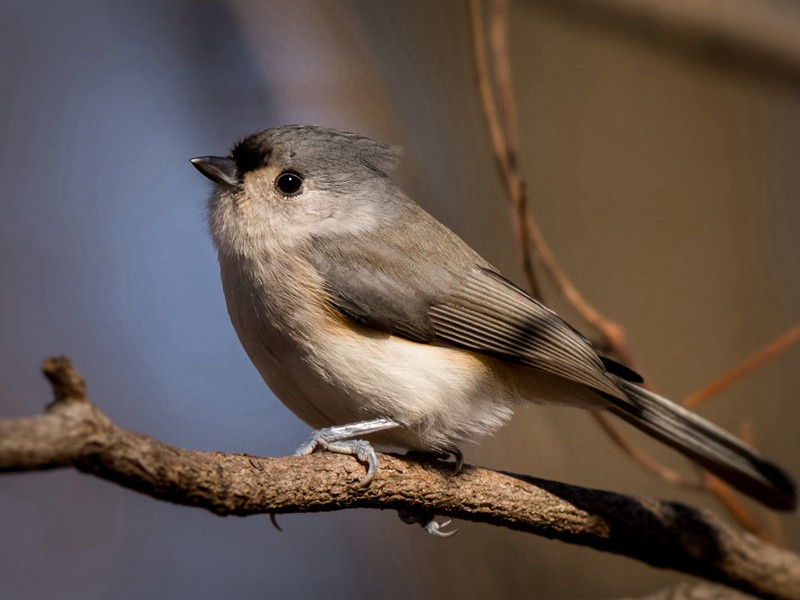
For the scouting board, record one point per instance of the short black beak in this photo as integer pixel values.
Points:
(219, 169)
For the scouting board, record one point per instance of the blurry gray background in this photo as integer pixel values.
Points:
(667, 188)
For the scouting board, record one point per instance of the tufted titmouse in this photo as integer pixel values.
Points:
(370, 319)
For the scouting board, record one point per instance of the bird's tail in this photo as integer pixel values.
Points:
(713, 448)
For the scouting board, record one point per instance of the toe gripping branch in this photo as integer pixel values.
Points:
(336, 439)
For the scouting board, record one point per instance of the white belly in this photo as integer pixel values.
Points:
(329, 370)
(442, 395)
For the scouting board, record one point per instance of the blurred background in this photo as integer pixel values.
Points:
(666, 182)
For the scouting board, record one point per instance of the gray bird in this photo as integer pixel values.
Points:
(369, 319)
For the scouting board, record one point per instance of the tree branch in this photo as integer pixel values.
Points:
(75, 433)
(529, 238)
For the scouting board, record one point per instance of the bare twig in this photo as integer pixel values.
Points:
(496, 135)
(74, 433)
(498, 37)
(529, 238)
(746, 367)
(718, 488)
(726, 496)
(644, 459)
(531, 242)
(503, 147)
(612, 334)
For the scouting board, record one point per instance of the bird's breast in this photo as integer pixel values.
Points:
(329, 370)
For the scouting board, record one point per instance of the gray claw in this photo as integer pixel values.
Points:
(367, 454)
(435, 528)
(458, 457)
(363, 451)
(427, 522)
(274, 521)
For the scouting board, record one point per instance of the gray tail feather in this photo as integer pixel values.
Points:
(713, 448)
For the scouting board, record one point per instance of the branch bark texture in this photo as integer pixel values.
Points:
(75, 433)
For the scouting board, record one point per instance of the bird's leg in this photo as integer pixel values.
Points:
(335, 439)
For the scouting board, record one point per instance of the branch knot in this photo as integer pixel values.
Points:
(66, 382)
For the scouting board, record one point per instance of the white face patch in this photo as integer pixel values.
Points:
(261, 219)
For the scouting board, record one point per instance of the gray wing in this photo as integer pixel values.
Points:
(448, 294)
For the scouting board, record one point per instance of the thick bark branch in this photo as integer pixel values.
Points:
(75, 433)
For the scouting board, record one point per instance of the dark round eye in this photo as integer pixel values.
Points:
(289, 183)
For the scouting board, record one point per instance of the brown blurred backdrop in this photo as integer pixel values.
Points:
(666, 183)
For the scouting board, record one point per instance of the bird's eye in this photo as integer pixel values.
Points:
(289, 183)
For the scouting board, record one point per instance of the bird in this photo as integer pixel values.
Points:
(376, 324)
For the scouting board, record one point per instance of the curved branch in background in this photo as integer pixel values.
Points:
(75, 433)
(502, 133)
(745, 368)
(529, 237)
(530, 241)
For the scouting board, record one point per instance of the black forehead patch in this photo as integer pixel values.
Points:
(312, 146)
(251, 153)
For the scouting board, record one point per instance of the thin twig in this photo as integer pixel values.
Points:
(644, 459)
(485, 90)
(733, 504)
(613, 336)
(531, 242)
(775, 533)
(498, 37)
(503, 146)
(746, 367)
(718, 488)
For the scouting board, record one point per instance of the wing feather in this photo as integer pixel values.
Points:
(448, 294)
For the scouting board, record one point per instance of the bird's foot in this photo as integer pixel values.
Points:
(443, 455)
(334, 439)
(427, 521)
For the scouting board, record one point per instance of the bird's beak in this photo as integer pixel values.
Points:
(219, 169)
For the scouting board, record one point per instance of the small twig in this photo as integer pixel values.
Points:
(503, 147)
(733, 504)
(645, 460)
(664, 534)
(67, 383)
(746, 367)
(718, 488)
(485, 90)
(531, 242)
(775, 533)
(613, 336)
(501, 65)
